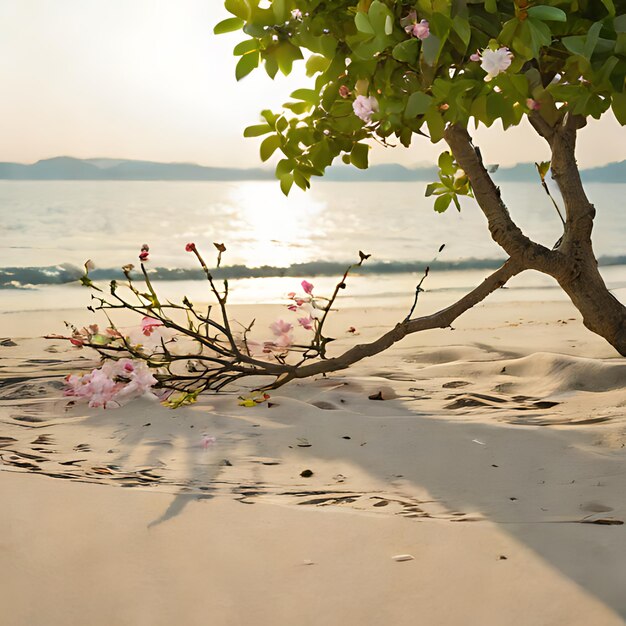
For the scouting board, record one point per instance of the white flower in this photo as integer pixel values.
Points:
(495, 61)
(364, 107)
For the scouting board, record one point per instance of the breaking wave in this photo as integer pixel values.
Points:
(26, 277)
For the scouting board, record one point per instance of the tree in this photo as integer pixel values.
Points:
(395, 69)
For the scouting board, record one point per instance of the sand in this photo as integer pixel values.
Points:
(495, 460)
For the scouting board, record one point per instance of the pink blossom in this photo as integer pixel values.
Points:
(306, 323)
(307, 286)
(533, 105)
(111, 384)
(148, 324)
(344, 91)
(292, 307)
(280, 327)
(421, 30)
(364, 107)
(190, 247)
(207, 441)
(143, 255)
(475, 56)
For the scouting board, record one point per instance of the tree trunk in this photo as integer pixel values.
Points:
(573, 263)
(602, 312)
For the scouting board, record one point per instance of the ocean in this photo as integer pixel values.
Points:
(50, 228)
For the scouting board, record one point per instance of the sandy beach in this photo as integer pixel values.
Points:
(495, 460)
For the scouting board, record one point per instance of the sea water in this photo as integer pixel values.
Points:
(50, 228)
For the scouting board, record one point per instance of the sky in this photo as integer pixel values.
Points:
(147, 79)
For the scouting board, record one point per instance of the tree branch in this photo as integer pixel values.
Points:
(579, 211)
(503, 229)
(441, 319)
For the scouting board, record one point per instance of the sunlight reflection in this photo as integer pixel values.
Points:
(277, 230)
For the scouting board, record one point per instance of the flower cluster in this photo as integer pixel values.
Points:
(90, 335)
(113, 384)
(306, 304)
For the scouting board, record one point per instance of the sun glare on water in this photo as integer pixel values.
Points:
(275, 230)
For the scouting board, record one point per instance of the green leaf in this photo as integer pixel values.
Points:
(285, 54)
(491, 6)
(433, 189)
(575, 44)
(316, 63)
(436, 125)
(245, 46)
(446, 164)
(286, 183)
(543, 169)
(443, 202)
(378, 14)
(301, 180)
(618, 104)
(308, 95)
(240, 8)
(592, 39)
(359, 155)
(257, 130)
(228, 25)
(246, 64)
(540, 35)
(610, 6)
(362, 23)
(284, 166)
(269, 146)
(547, 14)
(462, 29)
(417, 104)
(431, 49)
(620, 23)
(406, 51)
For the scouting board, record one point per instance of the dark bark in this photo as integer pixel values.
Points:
(573, 263)
(602, 312)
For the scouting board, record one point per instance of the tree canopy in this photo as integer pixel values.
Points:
(388, 70)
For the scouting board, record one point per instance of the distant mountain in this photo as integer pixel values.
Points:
(69, 168)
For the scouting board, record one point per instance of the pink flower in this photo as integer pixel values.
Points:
(421, 30)
(475, 56)
(148, 324)
(207, 441)
(190, 247)
(344, 91)
(533, 105)
(364, 107)
(306, 323)
(307, 286)
(292, 307)
(143, 255)
(113, 383)
(280, 327)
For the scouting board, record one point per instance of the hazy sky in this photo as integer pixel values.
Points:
(147, 79)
